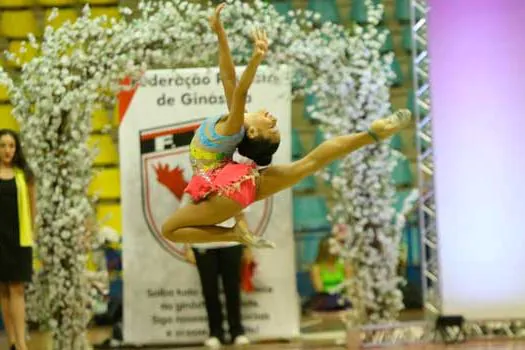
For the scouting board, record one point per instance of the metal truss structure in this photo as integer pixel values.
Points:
(423, 118)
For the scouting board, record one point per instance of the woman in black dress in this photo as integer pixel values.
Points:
(17, 212)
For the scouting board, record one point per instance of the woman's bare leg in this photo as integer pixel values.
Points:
(18, 313)
(6, 314)
(276, 178)
(202, 234)
(195, 223)
(279, 177)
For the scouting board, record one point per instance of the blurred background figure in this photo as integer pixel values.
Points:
(17, 213)
(222, 261)
(328, 275)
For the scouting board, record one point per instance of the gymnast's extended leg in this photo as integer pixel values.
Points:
(279, 177)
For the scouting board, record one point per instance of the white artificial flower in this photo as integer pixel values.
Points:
(62, 87)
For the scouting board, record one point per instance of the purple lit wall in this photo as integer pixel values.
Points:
(477, 52)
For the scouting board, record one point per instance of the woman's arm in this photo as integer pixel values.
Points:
(235, 120)
(226, 66)
(315, 276)
(32, 203)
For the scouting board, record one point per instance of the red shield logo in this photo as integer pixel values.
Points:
(166, 171)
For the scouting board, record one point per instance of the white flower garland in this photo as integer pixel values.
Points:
(80, 67)
(362, 186)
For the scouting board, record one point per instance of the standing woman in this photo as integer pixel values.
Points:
(17, 213)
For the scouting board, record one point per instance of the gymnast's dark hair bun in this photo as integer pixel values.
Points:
(260, 150)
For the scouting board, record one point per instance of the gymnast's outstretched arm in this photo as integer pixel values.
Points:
(235, 120)
(226, 66)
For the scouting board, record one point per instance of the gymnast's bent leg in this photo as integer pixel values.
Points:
(195, 222)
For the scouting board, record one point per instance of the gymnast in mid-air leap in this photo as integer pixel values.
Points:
(221, 188)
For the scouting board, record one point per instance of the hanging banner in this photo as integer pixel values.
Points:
(162, 297)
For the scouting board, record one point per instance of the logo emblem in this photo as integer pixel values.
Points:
(166, 171)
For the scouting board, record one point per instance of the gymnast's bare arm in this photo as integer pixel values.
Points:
(226, 66)
(235, 120)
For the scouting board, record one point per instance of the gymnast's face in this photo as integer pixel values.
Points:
(262, 124)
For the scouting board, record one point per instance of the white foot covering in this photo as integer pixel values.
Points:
(246, 237)
(213, 343)
(386, 127)
(401, 118)
(241, 340)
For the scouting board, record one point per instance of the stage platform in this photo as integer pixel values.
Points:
(331, 346)
(327, 346)
(324, 342)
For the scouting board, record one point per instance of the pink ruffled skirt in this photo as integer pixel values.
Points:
(233, 180)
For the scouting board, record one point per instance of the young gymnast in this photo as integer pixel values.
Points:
(217, 138)
(220, 187)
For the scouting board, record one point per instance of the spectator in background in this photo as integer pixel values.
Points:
(328, 275)
(17, 218)
(105, 309)
(224, 261)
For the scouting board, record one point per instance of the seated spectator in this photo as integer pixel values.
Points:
(328, 275)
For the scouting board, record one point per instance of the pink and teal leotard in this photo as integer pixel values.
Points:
(214, 171)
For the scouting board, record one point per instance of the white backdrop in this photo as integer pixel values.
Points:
(162, 297)
(479, 156)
